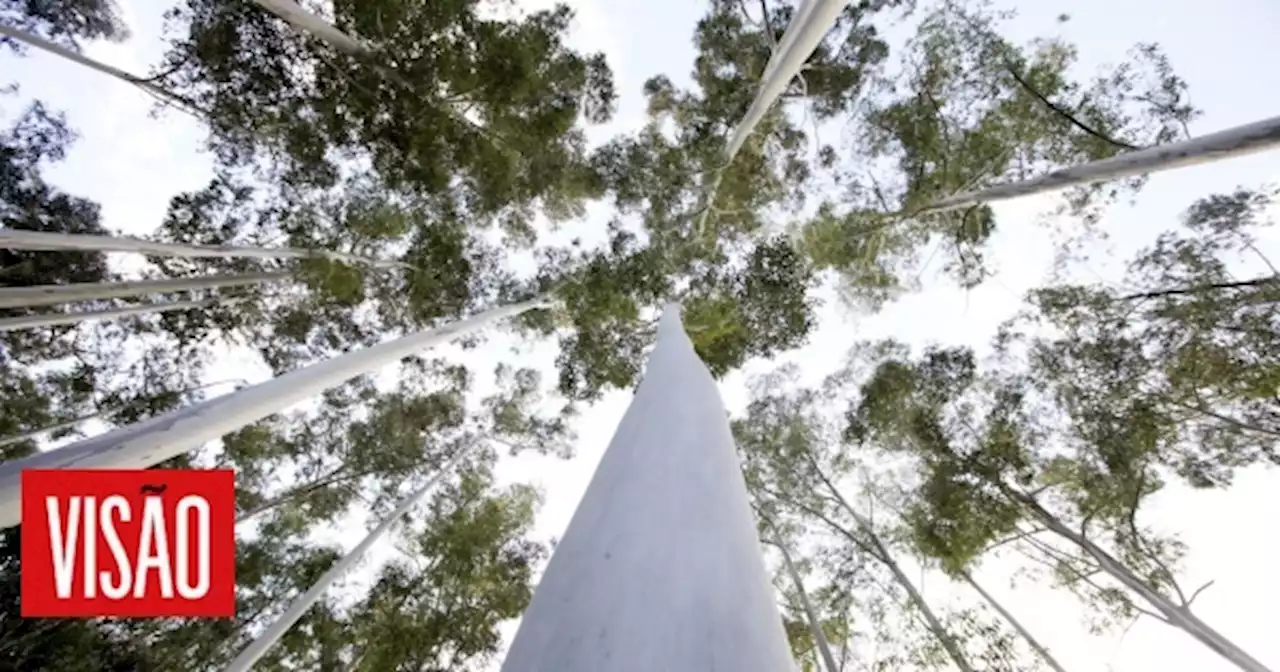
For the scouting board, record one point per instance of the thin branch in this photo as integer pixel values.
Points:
(1071, 118)
(1197, 592)
(1181, 291)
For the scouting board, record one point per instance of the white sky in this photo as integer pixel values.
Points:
(132, 164)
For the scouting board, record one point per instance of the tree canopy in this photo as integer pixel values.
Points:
(454, 147)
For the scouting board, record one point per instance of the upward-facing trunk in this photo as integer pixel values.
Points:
(815, 624)
(166, 436)
(47, 295)
(881, 553)
(260, 645)
(1004, 613)
(1179, 616)
(660, 567)
(59, 319)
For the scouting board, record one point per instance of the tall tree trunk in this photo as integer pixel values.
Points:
(881, 553)
(661, 566)
(805, 31)
(1248, 139)
(815, 624)
(1179, 616)
(63, 52)
(1017, 625)
(260, 645)
(166, 436)
(47, 295)
(18, 239)
(935, 625)
(59, 319)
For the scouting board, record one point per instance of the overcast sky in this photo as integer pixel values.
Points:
(133, 163)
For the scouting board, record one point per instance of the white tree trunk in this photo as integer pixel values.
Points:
(60, 51)
(1017, 625)
(310, 23)
(1179, 616)
(161, 438)
(661, 566)
(804, 32)
(815, 623)
(47, 295)
(268, 638)
(17, 239)
(1233, 142)
(881, 553)
(58, 319)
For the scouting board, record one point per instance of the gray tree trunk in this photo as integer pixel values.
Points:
(815, 624)
(59, 319)
(48, 295)
(16, 239)
(881, 553)
(304, 602)
(1239, 141)
(1017, 625)
(163, 437)
(1179, 616)
(661, 566)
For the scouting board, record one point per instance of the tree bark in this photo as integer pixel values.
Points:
(1017, 625)
(1239, 141)
(16, 239)
(47, 295)
(166, 436)
(815, 624)
(882, 554)
(1179, 616)
(661, 566)
(260, 645)
(60, 319)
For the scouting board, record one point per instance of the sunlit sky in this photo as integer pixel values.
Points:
(132, 163)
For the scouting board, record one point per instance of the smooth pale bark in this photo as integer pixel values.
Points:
(1017, 625)
(310, 23)
(881, 553)
(47, 295)
(58, 319)
(815, 624)
(58, 50)
(153, 441)
(17, 239)
(1179, 616)
(804, 32)
(268, 638)
(99, 414)
(1239, 141)
(661, 566)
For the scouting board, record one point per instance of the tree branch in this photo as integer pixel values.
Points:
(1255, 282)
(1026, 86)
(1197, 592)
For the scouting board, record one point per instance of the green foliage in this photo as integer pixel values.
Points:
(65, 22)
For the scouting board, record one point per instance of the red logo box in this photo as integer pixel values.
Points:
(141, 543)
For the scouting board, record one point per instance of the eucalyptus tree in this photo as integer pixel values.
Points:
(746, 292)
(963, 108)
(476, 111)
(1060, 446)
(798, 466)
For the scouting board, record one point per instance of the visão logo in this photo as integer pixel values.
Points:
(144, 542)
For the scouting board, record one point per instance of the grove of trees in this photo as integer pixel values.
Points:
(421, 179)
